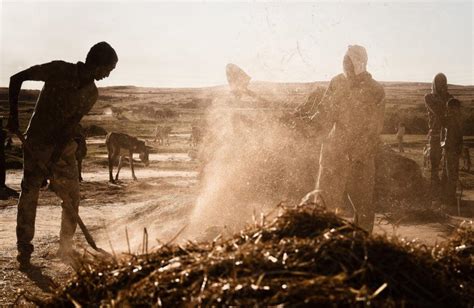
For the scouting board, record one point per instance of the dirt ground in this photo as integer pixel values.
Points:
(161, 200)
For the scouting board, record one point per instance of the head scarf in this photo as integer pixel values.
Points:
(358, 56)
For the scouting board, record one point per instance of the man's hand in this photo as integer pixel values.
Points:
(12, 124)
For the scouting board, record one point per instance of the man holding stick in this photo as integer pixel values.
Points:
(351, 115)
(68, 94)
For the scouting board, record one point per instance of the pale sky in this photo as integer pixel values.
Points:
(188, 44)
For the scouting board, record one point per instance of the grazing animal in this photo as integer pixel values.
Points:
(196, 136)
(162, 134)
(120, 145)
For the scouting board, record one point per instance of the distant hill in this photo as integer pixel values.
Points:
(397, 92)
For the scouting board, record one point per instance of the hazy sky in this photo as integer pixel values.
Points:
(179, 44)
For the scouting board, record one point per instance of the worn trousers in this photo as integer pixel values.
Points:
(341, 178)
(450, 176)
(435, 160)
(64, 182)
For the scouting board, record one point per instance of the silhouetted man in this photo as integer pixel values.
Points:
(238, 80)
(351, 115)
(400, 134)
(69, 92)
(436, 106)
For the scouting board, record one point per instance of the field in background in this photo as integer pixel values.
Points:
(141, 108)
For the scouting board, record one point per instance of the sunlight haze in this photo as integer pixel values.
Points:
(165, 44)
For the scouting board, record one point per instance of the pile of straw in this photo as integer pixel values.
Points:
(304, 256)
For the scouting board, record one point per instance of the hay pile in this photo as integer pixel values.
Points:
(304, 256)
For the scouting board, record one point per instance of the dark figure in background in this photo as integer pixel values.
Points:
(5, 191)
(452, 146)
(239, 83)
(351, 114)
(196, 136)
(466, 157)
(238, 80)
(69, 92)
(8, 143)
(436, 106)
(400, 135)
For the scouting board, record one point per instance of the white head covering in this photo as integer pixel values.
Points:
(358, 56)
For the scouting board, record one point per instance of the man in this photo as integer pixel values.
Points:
(238, 80)
(400, 134)
(436, 106)
(351, 115)
(452, 146)
(466, 157)
(69, 92)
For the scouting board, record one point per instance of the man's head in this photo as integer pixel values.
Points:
(348, 67)
(101, 59)
(355, 61)
(440, 84)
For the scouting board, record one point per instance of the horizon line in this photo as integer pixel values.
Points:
(256, 81)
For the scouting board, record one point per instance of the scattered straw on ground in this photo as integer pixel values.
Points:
(305, 256)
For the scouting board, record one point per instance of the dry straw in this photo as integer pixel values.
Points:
(305, 256)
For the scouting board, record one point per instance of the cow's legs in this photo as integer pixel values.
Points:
(119, 167)
(131, 166)
(111, 159)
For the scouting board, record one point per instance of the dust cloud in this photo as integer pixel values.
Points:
(251, 162)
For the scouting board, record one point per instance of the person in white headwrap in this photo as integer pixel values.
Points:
(350, 116)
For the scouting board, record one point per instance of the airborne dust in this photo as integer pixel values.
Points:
(250, 161)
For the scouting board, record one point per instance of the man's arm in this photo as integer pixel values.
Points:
(325, 114)
(43, 72)
(381, 110)
(432, 106)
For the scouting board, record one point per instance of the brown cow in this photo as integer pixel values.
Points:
(120, 145)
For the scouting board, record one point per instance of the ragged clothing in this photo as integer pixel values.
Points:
(61, 104)
(436, 107)
(453, 147)
(436, 104)
(453, 140)
(64, 182)
(351, 115)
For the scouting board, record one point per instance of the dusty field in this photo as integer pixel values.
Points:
(164, 197)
